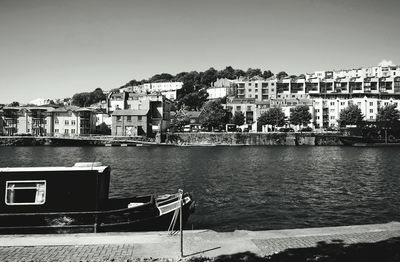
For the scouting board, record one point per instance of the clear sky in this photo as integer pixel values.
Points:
(55, 48)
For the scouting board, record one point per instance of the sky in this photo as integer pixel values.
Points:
(56, 48)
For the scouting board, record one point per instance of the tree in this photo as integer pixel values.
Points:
(387, 116)
(238, 118)
(193, 100)
(273, 116)
(180, 119)
(86, 99)
(213, 114)
(281, 75)
(267, 74)
(228, 73)
(209, 76)
(15, 103)
(163, 77)
(300, 115)
(351, 115)
(253, 72)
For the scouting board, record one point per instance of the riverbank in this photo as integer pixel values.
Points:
(198, 243)
(184, 139)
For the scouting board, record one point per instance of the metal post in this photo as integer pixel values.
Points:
(180, 224)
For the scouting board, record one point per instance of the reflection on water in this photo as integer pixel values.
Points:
(248, 187)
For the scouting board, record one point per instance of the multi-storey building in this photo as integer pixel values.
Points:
(73, 121)
(246, 106)
(326, 92)
(327, 108)
(26, 120)
(168, 89)
(363, 72)
(156, 106)
(130, 122)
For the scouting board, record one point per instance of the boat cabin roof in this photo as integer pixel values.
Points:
(81, 166)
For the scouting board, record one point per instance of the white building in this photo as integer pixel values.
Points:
(327, 110)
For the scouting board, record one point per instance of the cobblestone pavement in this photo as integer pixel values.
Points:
(276, 245)
(68, 253)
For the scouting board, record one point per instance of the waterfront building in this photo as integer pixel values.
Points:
(131, 122)
(246, 105)
(157, 108)
(74, 121)
(35, 121)
(327, 108)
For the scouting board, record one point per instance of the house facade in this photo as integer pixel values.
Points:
(131, 122)
(26, 120)
(73, 121)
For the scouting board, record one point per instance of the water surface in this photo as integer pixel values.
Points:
(251, 188)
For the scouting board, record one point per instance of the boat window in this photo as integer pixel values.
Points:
(25, 192)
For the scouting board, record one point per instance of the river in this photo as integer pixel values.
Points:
(254, 188)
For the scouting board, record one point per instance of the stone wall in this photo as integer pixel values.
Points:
(256, 139)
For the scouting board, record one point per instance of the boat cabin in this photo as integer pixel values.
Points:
(82, 187)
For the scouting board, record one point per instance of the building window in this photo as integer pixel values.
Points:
(248, 108)
(56, 121)
(371, 110)
(32, 192)
(72, 131)
(332, 117)
(66, 131)
(56, 130)
(73, 122)
(139, 118)
(129, 118)
(332, 103)
(66, 122)
(318, 117)
(371, 103)
(342, 103)
(118, 118)
(238, 108)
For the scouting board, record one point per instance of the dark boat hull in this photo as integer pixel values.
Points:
(144, 218)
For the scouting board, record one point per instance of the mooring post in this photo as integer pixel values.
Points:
(180, 223)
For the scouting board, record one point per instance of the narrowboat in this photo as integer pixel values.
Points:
(76, 199)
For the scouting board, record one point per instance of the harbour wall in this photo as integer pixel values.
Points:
(255, 139)
(186, 139)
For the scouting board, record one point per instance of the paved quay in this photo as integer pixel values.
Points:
(135, 245)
